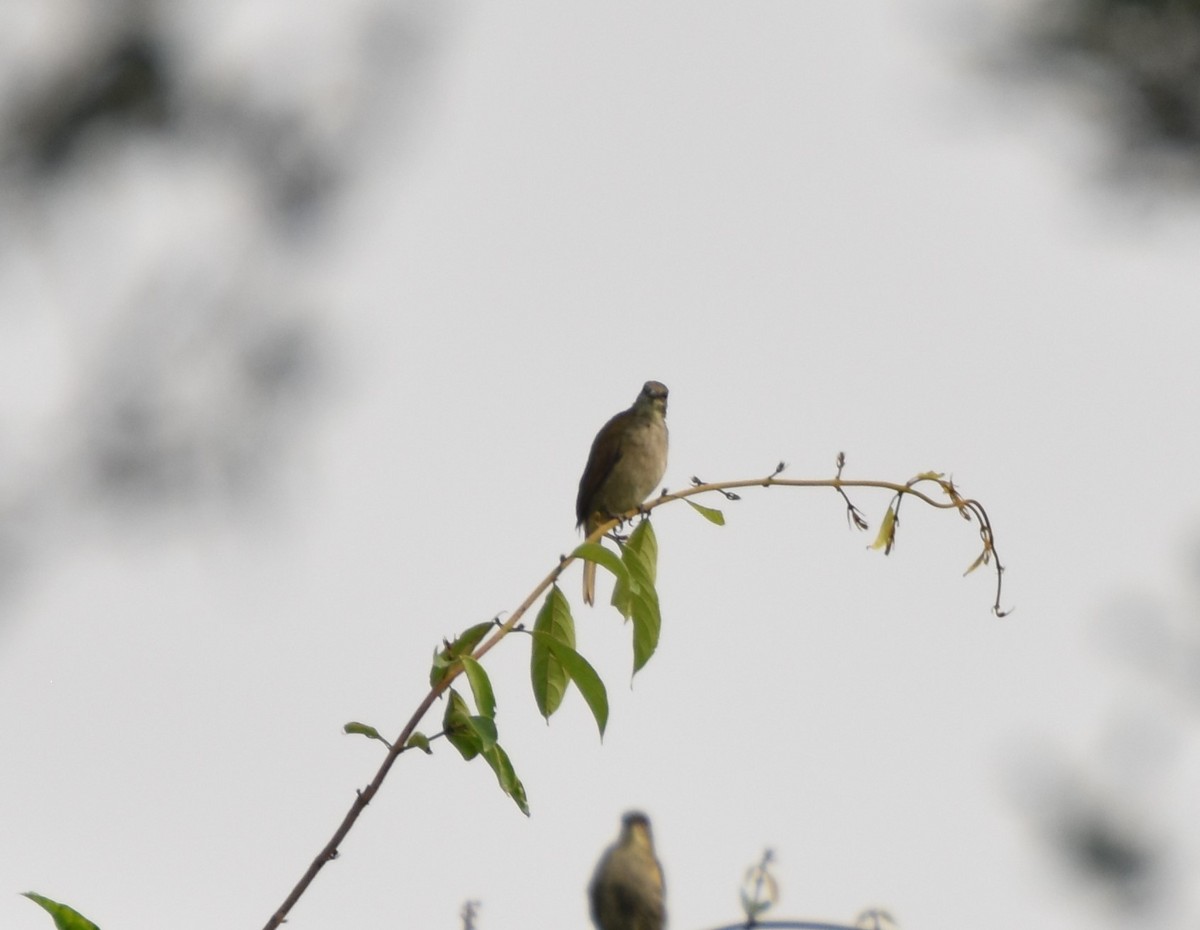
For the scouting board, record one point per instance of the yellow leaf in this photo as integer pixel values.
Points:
(887, 532)
(982, 560)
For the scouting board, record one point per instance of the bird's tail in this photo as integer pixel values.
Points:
(589, 583)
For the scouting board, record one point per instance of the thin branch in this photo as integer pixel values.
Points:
(854, 517)
(969, 508)
(363, 798)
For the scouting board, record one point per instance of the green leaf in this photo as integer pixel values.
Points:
(470, 734)
(475, 735)
(420, 741)
(65, 918)
(594, 552)
(485, 730)
(363, 729)
(622, 597)
(441, 665)
(498, 759)
(640, 557)
(481, 687)
(471, 637)
(459, 728)
(546, 672)
(444, 659)
(582, 674)
(647, 623)
(641, 604)
(710, 514)
(644, 544)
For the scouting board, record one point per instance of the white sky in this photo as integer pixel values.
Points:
(800, 217)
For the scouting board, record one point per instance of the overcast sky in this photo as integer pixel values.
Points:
(824, 230)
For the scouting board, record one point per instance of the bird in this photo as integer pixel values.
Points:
(627, 460)
(627, 891)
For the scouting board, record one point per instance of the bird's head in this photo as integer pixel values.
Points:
(653, 397)
(635, 829)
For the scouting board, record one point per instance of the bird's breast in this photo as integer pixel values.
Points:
(641, 467)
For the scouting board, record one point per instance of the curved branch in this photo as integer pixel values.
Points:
(968, 508)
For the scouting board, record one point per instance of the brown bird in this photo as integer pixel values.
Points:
(627, 890)
(627, 461)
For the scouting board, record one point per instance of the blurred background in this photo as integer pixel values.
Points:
(309, 315)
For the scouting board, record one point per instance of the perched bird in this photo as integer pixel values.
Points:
(627, 889)
(627, 461)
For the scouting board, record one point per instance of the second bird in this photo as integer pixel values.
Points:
(627, 461)
(627, 890)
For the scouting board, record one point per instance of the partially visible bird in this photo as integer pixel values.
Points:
(627, 461)
(627, 891)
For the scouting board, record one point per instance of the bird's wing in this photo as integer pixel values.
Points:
(606, 452)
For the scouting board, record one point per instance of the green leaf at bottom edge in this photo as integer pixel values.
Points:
(65, 918)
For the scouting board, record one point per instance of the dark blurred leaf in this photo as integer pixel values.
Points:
(122, 80)
(1140, 61)
(1106, 851)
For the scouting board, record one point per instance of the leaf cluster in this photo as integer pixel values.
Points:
(554, 662)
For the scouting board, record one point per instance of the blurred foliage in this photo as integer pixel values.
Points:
(1116, 816)
(1103, 843)
(134, 74)
(168, 177)
(123, 80)
(1139, 62)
